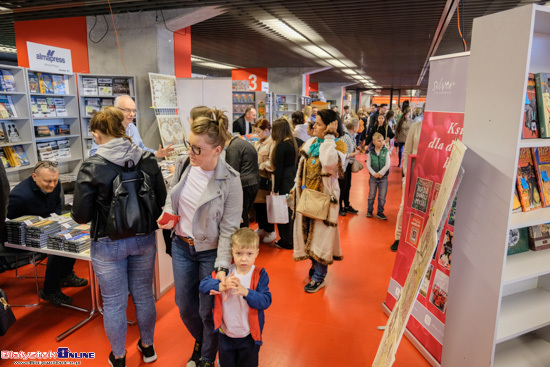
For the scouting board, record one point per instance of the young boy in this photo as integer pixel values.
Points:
(378, 164)
(239, 305)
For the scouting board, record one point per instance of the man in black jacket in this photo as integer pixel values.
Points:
(41, 194)
(243, 125)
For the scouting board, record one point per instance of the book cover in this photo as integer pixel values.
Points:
(41, 86)
(58, 84)
(539, 237)
(440, 289)
(8, 81)
(89, 86)
(543, 103)
(11, 156)
(60, 108)
(518, 241)
(516, 206)
(66, 82)
(4, 160)
(446, 253)
(121, 86)
(51, 107)
(42, 131)
(93, 105)
(34, 107)
(48, 84)
(416, 223)
(42, 105)
(12, 133)
(541, 159)
(22, 155)
(105, 86)
(421, 197)
(33, 83)
(64, 130)
(7, 108)
(63, 143)
(3, 134)
(528, 186)
(530, 129)
(426, 281)
(106, 102)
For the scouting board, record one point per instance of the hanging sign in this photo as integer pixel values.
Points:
(49, 59)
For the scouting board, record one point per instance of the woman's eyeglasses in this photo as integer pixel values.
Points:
(196, 150)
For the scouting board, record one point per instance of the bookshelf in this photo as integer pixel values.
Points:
(91, 100)
(22, 122)
(285, 104)
(497, 313)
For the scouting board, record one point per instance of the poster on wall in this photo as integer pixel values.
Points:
(49, 59)
(442, 125)
(163, 91)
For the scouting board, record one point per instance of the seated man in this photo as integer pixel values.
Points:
(40, 194)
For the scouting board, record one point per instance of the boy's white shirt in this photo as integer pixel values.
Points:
(235, 308)
(384, 169)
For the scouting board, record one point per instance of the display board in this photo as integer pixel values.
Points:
(442, 124)
(163, 91)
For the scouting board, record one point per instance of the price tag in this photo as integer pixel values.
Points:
(524, 184)
(544, 176)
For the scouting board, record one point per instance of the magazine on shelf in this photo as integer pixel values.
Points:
(34, 107)
(541, 158)
(527, 183)
(7, 108)
(21, 155)
(106, 102)
(530, 129)
(64, 129)
(539, 237)
(4, 160)
(518, 241)
(3, 134)
(45, 151)
(93, 105)
(59, 84)
(543, 103)
(43, 131)
(89, 86)
(46, 84)
(42, 105)
(11, 156)
(60, 107)
(8, 81)
(121, 86)
(34, 84)
(51, 107)
(12, 133)
(105, 86)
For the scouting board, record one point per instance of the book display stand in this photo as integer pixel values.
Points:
(497, 311)
(285, 104)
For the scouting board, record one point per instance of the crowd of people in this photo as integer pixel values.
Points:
(205, 213)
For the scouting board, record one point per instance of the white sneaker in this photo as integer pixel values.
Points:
(260, 232)
(270, 237)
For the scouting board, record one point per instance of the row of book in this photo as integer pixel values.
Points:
(533, 179)
(51, 130)
(7, 81)
(7, 108)
(105, 86)
(48, 83)
(9, 133)
(54, 150)
(534, 238)
(94, 105)
(14, 156)
(536, 114)
(48, 107)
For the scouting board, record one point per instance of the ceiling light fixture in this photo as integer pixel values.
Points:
(284, 30)
(211, 64)
(8, 49)
(349, 71)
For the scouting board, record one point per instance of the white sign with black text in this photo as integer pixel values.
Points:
(49, 59)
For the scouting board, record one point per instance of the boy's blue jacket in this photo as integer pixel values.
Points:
(258, 299)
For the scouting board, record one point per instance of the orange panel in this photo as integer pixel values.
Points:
(182, 53)
(248, 74)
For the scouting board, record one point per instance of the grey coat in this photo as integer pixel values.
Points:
(218, 213)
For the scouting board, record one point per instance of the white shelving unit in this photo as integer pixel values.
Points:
(87, 137)
(22, 122)
(498, 309)
(285, 104)
(66, 165)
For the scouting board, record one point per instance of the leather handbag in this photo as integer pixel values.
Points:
(356, 166)
(7, 318)
(312, 203)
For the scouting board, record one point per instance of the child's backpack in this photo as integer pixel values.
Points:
(134, 209)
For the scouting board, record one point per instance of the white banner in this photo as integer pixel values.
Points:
(49, 59)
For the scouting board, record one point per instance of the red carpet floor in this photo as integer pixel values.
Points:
(335, 327)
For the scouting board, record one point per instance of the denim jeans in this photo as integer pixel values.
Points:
(190, 267)
(380, 184)
(401, 145)
(320, 271)
(122, 266)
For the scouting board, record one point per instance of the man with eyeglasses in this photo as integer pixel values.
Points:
(126, 104)
(41, 194)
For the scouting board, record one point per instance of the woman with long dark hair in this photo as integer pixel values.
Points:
(402, 131)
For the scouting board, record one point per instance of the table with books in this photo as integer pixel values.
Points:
(59, 236)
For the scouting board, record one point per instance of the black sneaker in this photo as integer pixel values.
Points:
(117, 362)
(342, 212)
(369, 214)
(314, 286)
(206, 364)
(148, 353)
(394, 245)
(73, 281)
(350, 209)
(381, 216)
(195, 359)
(57, 299)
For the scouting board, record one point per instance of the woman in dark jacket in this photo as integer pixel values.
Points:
(125, 264)
(283, 161)
(381, 126)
